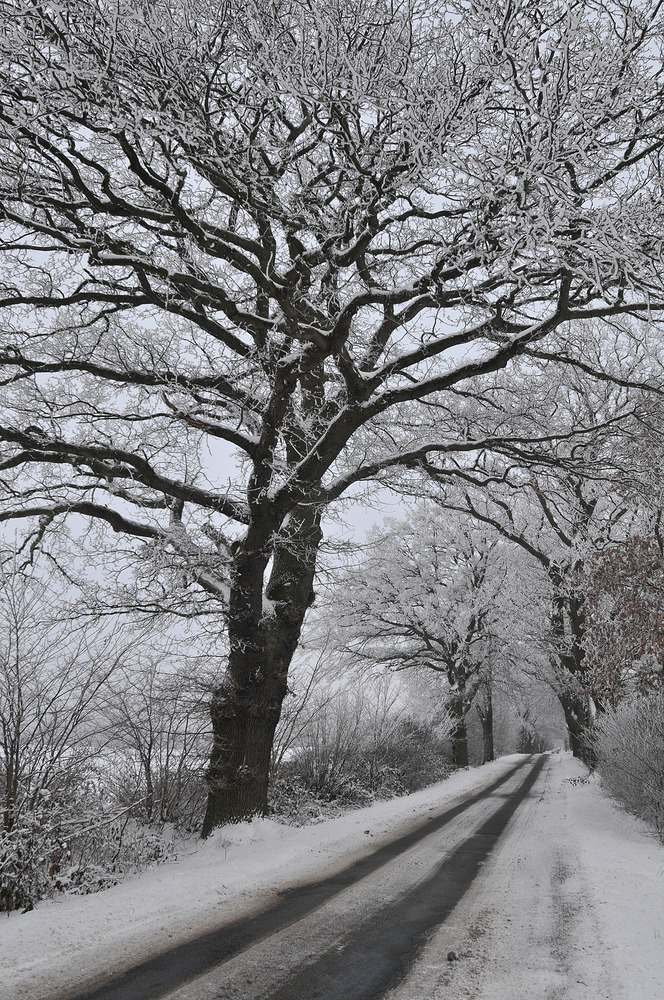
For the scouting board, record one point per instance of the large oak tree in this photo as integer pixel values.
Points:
(241, 240)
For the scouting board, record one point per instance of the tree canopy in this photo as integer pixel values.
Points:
(239, 242)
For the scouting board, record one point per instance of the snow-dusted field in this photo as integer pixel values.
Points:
(569, 905)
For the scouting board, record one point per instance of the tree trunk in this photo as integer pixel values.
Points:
(12, 761)
(149, 787)
(575, 704)
(243, 724)
(263, 636)
(569, 607)
(459, 733)
(485, 713)
(577, 717)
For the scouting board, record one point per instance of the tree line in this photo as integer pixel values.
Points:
(256, 257)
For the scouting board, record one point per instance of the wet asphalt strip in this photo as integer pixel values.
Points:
(382, 958)
(380, 953)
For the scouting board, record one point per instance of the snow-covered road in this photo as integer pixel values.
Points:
(358, 942)
(570, 906)
(538, 887)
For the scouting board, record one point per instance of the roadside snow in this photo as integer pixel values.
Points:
(72, 941)
(569, 906)
(625, 865)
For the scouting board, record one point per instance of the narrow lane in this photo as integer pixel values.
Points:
(378, 953)
(364, 939)
(311, 916)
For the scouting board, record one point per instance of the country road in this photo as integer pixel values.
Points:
(529, 885)
(351, 935)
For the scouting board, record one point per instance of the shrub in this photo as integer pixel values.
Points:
(81, 847)
(30, 857)
(351, 769)
(628, 744)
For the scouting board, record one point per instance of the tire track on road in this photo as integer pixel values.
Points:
(380, 953)
(164, 973)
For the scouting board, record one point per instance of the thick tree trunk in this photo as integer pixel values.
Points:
(569, 608)
(459, 733)
(243, 724)
(263, 635)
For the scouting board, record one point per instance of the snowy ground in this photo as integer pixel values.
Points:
(571, 903)
(570, 906)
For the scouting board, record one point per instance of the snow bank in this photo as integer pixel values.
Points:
(71, 941)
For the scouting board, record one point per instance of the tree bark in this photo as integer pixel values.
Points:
(263, 633)
(459, 733)
(485, 713)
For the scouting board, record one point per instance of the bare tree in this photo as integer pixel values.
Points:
(426, 597)
(267, 230)
(52, 679)
(310, 692)
(158, 729)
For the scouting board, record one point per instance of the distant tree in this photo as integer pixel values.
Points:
(484, 709)
(560, 502)
(358, 740)
(241, 241)
(426, 597)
